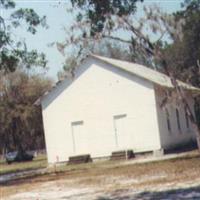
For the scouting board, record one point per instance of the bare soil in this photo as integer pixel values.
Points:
(177, 178)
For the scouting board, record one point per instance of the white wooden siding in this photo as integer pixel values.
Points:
(170, 139)
(98, 94)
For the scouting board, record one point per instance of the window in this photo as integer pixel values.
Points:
(178, 119)
(168, 120)
(186, 118)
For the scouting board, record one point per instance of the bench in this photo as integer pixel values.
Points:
(80, 159)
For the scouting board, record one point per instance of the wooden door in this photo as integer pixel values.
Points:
(121, 135)
(77, 136)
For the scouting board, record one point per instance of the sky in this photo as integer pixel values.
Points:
(57, 19)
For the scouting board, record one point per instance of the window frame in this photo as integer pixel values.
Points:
(168, 120)
(178, 119)
(187, 118)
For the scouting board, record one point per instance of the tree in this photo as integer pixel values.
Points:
(20, 121)
(105, 48)
(97, 20)
(183, 55)
(101, 13)
(14, 53)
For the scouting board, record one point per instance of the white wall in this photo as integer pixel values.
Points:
(170, 139)
(98, 93)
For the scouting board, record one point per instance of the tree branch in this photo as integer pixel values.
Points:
(3, 23)
(140, 35)
(160, 38)
(116, 38)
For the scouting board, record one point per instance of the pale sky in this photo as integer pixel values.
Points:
(57, 18)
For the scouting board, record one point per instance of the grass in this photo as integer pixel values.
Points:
(111, 174)
(102, 166)
(36, 163)
(175, 166)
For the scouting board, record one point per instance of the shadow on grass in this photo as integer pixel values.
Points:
(38, 177)
(192, 193)
(183, 148)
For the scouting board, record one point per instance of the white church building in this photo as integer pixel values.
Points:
(110, 105)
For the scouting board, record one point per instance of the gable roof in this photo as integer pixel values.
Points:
(134, 69)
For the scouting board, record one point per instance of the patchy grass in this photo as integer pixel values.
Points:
(36, 163)
(114, 175)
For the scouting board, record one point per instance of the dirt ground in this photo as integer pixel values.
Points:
(168, 180)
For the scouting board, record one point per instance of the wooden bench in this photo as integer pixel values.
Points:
(124, 154)
(80, 159)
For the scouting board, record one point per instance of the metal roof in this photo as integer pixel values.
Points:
(145, 72)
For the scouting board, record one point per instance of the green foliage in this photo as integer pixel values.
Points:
(99, 12)
(7, 4)
(183, 56)
(30, 17)
(20, 121)
(190, 5)
(14, 52)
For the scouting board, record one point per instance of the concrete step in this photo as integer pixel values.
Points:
(123, 154)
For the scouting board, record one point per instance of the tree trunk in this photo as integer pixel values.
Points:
(191, 116)
(194, 123)
(16, 135)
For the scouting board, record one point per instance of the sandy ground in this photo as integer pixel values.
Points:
(125, 190)
(166, 180)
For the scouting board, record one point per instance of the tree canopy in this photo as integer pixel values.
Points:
(96, 20)
(21, 125)
(183, 55)
(19, 119)
(14, 52)
(99, 13)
